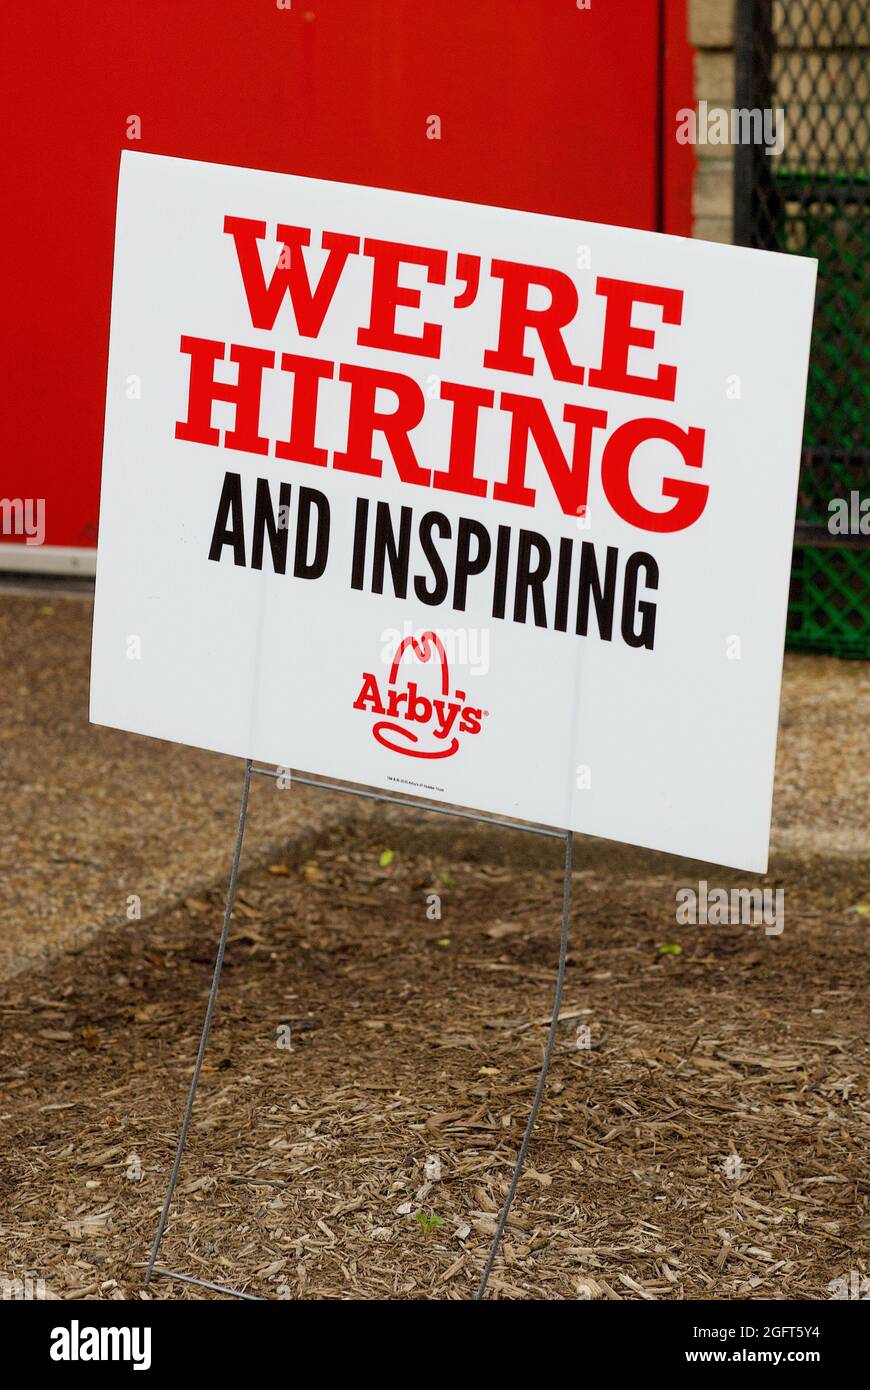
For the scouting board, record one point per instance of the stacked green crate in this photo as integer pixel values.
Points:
(826, 216)
(829, 605)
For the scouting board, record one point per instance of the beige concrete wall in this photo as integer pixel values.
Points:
(711, 34)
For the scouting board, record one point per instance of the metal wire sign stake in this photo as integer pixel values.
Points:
(250, 770)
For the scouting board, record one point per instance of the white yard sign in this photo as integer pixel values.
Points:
(483, 506)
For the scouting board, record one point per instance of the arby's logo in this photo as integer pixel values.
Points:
(410, 722)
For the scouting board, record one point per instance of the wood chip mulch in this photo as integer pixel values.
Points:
(372, 1064)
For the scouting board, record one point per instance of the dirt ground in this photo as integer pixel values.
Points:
(383, 1012)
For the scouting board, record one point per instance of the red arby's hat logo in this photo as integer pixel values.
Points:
(410, 722)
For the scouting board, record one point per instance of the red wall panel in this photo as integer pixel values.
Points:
(543, 106)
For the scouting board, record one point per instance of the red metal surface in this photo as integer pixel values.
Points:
(543, 106)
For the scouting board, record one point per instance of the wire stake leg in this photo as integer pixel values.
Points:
(545, 1066)
(212, 998)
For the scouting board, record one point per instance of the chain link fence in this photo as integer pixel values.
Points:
(811, 60)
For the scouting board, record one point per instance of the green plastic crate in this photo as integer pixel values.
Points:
(829, 603)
